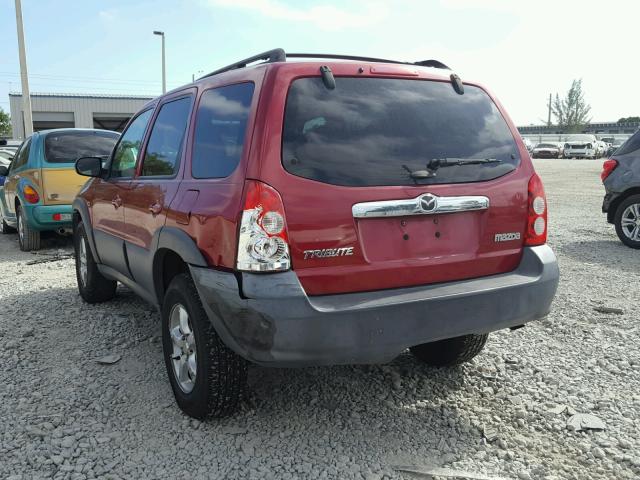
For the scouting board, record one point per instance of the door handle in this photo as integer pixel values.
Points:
(155, 209)
(116, 202)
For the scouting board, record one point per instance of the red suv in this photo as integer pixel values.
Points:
(334, 210)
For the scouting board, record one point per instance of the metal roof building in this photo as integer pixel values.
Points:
(80, 110)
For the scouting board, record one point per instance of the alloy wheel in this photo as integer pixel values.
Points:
(183, 355)
(20, 227)
(630, 222)
(82, 257)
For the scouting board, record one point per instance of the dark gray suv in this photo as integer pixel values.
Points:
(621, 178)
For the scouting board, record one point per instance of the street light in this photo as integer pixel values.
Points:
(164, 73)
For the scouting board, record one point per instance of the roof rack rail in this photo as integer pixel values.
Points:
(279, 55)
(432, 64)
(423, 63)
(275, 55)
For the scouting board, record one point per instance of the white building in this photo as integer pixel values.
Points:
(68, 110)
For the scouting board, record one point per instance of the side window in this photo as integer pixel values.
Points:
(162, 157)
(22, 157)
(221, 123)
(631, 145)
(127, 151)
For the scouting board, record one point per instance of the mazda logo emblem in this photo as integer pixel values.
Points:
(428, 202)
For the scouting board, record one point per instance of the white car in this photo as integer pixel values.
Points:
(528, 144)
(603, 147)
(582, 146)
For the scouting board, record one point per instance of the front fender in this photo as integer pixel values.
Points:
(80, 206)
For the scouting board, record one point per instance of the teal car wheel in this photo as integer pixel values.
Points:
(28, 238)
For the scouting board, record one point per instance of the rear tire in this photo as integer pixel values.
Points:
(28, 238)
(208, 379)
(92, 285)
(451, 351)
(627, 213)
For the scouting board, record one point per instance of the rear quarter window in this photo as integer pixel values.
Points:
(372, 131)
(67, 147)
(221, 125)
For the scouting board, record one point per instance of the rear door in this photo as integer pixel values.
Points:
(394, 182)
(153, 189)
(107, 195)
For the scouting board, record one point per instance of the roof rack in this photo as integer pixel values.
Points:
(422, 63)
(275, 55)
(279, 55)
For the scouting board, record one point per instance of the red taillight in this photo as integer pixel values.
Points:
(607, 167)
(263, 242)
(536, 233)
(30, 195)
(56, 217)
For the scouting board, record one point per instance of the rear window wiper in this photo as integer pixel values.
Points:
(436, 163)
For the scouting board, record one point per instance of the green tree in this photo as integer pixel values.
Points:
(5, 123)
(572, 112)
(629, 120)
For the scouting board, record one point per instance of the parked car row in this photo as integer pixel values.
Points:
(576, 146)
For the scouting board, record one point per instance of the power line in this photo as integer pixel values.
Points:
(89, 79)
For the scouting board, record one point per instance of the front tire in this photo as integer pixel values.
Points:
(208, 379)
(28, 238)
(92, 285)
(627, 221)
(451, 351)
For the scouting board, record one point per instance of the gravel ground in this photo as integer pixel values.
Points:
(63, 415)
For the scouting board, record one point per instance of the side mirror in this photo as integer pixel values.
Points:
(89, 166)
(4, 171)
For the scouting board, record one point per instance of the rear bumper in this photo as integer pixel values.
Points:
(40, 217)
(275, 323)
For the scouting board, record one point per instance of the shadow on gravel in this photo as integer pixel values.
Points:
(50, 243)
(612, 254)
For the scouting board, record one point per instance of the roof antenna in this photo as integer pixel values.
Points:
(457, 84)
(327, 77)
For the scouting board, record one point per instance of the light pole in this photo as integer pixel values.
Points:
(26, 97)
(164, 73)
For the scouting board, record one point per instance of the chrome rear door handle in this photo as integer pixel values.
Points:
(116, 201)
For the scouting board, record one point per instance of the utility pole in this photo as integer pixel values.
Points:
(549, 117)
(164, 72)
(26, 97)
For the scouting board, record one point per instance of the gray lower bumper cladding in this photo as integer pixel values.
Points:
(270, 320)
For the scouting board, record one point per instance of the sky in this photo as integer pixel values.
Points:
(521, 50)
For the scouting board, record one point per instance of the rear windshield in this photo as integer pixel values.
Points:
(67, 147)
(373, 131)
